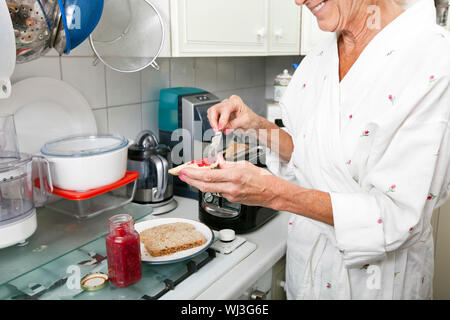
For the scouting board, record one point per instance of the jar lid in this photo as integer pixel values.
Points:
(83, 146)
(285, 75)
(94, 281)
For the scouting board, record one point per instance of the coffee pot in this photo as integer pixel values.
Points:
(152, 160)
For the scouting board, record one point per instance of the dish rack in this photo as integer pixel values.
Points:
(87, 204)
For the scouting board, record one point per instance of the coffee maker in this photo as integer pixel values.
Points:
(184, 126)
(152, 160)
(219, 213)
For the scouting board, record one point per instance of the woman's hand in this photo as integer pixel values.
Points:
(240, 182)
(232, 114)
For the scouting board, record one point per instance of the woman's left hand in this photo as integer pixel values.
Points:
(240, 182)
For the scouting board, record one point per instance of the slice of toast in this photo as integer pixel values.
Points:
(193, 164)
(235, 149)
(171, 238)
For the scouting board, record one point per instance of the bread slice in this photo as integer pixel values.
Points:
(170, 238)
(234, 149)
(169, 227)
(193, 164)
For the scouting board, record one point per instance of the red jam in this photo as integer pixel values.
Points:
(123, 251)
(201, 162)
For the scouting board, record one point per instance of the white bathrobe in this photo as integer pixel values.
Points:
(378, 142)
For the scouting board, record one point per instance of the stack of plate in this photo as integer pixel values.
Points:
(45, 109)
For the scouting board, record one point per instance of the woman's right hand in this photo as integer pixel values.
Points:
(232, 114)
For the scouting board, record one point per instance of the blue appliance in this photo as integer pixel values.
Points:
(185, 108)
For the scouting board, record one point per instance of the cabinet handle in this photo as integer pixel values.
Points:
(279, 34)
(258, 295)
(261, 33)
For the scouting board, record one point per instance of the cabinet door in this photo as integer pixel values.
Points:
(311, 34)
(441, 284)
(218, 27)
(284, 26)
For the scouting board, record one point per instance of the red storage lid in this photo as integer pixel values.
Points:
(129, 177)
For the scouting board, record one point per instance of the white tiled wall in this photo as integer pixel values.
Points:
(126, 103)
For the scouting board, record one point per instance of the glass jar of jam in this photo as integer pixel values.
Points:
(123, 251)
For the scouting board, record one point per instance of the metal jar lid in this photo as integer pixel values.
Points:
(94, 281)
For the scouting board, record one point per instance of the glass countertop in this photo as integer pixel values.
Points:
(58, 279)
(57, 235)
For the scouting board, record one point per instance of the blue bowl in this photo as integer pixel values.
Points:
(79, 17)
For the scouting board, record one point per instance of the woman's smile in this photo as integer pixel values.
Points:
(318, 8)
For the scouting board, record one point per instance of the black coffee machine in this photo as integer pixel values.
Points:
(219, 213)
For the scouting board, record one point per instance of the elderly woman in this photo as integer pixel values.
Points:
(364, 158)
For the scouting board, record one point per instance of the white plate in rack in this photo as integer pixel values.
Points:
(45, 109)
(178, 256)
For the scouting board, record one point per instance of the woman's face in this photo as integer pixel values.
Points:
(332, 15)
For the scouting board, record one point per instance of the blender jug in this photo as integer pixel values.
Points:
(19, 197)
(9, 146)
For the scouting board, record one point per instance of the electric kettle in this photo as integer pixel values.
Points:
(152, 160)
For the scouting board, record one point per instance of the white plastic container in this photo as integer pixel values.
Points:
(81, 163)
(280, 85)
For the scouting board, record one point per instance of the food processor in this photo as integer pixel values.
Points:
(18, 196)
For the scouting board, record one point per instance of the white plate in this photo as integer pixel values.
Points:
(46, 109)
(177, 256)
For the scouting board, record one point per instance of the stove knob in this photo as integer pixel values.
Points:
(227, 235)
(208, 197)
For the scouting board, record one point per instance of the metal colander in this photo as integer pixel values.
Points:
(129, 35)
(35, 24)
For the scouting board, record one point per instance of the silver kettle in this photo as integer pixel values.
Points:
(152, 160)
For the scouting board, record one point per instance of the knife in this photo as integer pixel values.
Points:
(212, 150)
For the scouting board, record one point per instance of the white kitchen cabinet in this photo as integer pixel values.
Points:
(234, 27)
(284, 27)
(218, 28)
(311, 35)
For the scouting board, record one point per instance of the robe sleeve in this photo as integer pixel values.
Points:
(404, 183)
(274, 163)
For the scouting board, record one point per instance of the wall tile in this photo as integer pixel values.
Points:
(206, 73)
(122, 88)
(153, 81)
(226, 74)
(258, 71)
(83, 50)
(101, 117)
(42, 67)
(126, 103)
(182, 72)
(125, 120)
(150, 116)
(270, 92)
(256, 99)
(226, 94)
(243, 72)
(87, 78)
